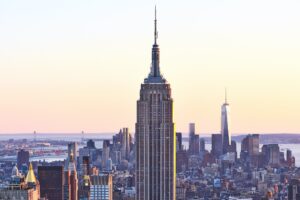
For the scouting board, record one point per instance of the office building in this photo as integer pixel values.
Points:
(216, 145)
(105, 154)
(51, 180)
(125, 144)
(22, 158)
(155, 136)
(194, 145)
(179, 141)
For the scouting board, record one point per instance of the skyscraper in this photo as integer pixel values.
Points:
(51, 182)
(71, 181)
(216, 145)
(202, 145)
(179, 141)
(72, 147)
(225, 128)
(250, 144)
(271, 154)
(105, 154)
(193, 140)
(155, 136)
(22, 158)
(125, 144)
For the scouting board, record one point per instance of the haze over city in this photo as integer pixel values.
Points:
(71, 66)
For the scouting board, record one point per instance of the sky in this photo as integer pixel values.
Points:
(72, 66)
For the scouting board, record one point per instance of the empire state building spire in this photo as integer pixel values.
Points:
(155, 76)
(155, 136)
(155, 28)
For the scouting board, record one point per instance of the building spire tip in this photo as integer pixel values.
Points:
(155, 26)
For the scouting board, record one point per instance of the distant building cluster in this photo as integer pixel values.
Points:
(155, 164)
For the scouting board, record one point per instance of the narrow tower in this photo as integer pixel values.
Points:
(225, 131)
(155, 136)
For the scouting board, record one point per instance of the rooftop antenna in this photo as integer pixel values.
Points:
(226, 102)
(155, 28)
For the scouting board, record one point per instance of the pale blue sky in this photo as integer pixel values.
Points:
(67, 65)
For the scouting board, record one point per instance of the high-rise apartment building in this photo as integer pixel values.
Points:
(101, 187)
(155, 136)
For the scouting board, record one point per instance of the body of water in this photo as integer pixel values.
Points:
(295, 148)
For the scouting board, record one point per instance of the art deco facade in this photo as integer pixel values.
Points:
(71, 180)
(155, 136)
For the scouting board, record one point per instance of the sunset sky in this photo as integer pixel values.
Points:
(68, 66)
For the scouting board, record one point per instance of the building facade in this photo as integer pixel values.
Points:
(23, 158)
(71, 180)
(216, 145)
(101, 187)
(155, 136)
(21, 187)
(51, 180)
(194, 145)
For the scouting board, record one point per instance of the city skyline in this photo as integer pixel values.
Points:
(60, 72)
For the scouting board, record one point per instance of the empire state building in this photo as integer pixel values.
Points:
(155, 136)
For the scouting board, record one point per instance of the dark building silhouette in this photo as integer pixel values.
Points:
(179, 141)
(182, 160)
(250, 144)
(105, 154)
(155, 136)
(22, 158)
(90, 144)
(51, 180)
(271, 154)
(202, 145)
(194, 145)
(216, 145)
